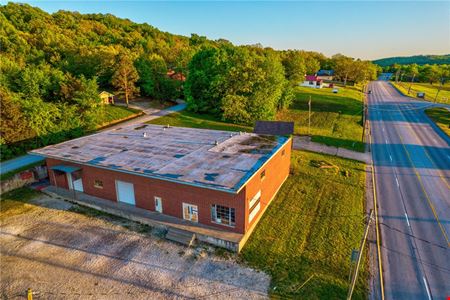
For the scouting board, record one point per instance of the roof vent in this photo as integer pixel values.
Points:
(145, 134)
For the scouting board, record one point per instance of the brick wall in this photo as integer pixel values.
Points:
(145, 189)
(276, 171)
(174, 194)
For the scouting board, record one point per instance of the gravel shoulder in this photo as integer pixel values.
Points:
(63, 251)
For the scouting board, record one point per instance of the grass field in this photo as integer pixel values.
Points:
(336, 119)
(441, 117)
(429, 90)
(112, 114)
(310, 229)
(189, 119)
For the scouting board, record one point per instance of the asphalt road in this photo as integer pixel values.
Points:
(412, 172)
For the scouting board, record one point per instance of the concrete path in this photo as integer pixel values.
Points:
(304, 143)
(153, 114)
(24, 160)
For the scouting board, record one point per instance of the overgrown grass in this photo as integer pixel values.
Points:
(429, 90)
(15, 202)
(336, 119)
(440, 116)
(190, 119)
(310, 229)
(112, 113)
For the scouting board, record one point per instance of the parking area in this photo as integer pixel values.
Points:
(60, 250)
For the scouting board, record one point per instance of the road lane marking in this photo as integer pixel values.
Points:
(444, 233)
(386, 141)
(426, 287)
(409, 126)
(397, 181)
(407, 220)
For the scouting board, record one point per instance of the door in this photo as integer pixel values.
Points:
(190, 212)
(76, 185)
(125, 192)
(158, 204)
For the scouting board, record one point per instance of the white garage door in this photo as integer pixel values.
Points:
(125, 192)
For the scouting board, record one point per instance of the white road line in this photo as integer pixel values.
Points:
(386, 141)
(397, 181)
(426, 287)
(382, 129)
(407, 220)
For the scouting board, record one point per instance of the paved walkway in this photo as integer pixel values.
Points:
(150, 114)
(140, 215)
(304, 143)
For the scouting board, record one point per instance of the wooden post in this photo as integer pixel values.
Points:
(309, 119)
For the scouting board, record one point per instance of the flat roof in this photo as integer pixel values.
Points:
(221, 160)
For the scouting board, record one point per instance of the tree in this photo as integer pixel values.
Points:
(13, 125)
(125, 77)
(294, 66)
(343, 67)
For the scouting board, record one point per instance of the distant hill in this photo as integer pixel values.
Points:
(416, 59)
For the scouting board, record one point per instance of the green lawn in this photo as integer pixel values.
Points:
(429, 90)
(189, 119)
(310, 228)
(336, 119)
(440, 116)
(111, 114)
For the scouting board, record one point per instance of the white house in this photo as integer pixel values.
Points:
(312, 81)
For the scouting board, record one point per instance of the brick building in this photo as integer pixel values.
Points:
(217, 178)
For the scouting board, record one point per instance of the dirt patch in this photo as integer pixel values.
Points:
(61, 251)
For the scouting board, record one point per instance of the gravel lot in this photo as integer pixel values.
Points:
(49, 246)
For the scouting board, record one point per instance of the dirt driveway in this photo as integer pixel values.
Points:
(63, 251)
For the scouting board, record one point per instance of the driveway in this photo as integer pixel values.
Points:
(59, 251)
(149, 114)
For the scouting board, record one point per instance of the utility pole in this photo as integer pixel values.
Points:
(361, 248)
(364, 112)
(412, 80)
(309, 119)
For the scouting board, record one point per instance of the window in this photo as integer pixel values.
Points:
(263, 174)
(223, 215)
(98, 184)
(311, 82)
(254, 206)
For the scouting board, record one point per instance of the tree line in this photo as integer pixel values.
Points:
(52, 67)
(433, 74)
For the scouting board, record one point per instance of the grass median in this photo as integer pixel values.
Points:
(310, 229)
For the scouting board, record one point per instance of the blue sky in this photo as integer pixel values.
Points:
(364, 29)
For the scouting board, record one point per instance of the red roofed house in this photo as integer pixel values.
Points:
(312, 81)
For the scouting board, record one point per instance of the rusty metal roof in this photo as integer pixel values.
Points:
(214, 159)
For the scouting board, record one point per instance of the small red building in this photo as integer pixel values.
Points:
(218, 178)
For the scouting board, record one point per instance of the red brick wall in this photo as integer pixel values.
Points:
(277, 169)
(174, 194)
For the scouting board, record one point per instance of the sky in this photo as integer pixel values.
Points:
(362, 29)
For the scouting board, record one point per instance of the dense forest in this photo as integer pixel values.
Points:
(416, 59)
(52, 67)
